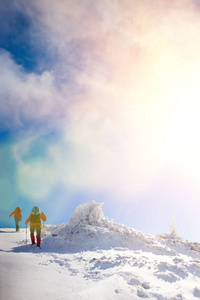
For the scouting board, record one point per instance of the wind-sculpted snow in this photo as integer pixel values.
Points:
(89, 229)
(89, 214)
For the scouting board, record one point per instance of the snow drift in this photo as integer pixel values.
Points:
(89, 229)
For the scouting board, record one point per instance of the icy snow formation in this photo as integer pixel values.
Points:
(89, 229)
(89, 214)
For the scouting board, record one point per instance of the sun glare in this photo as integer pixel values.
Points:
(183, 123)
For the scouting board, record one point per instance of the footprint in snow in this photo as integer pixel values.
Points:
(146, 285)
(142, 294)
(134, 281)
(169, 277)
(197, 292)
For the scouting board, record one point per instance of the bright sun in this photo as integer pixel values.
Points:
(183, 124)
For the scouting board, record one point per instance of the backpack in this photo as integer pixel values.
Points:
(35, 215)
(18, 210)
(35, 218)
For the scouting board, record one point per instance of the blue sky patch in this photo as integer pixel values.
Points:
(23, 40)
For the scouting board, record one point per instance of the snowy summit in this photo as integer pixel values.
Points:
(92, 257)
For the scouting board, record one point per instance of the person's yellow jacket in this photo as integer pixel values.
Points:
(41, 216)
(17, 213)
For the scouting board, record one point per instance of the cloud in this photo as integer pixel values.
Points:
(124, 72)
(26, 98)
(123, 49)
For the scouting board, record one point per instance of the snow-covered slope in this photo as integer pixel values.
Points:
(91, 257)
(89, 229)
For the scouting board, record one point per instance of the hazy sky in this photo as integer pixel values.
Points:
(100, 100)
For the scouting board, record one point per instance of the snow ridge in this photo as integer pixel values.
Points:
(89, 229)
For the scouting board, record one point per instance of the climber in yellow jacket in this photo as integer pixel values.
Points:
(17, 215)
(35, 224)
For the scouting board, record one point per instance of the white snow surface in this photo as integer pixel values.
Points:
(92, 258)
